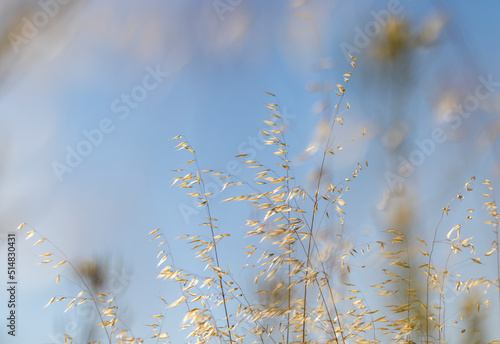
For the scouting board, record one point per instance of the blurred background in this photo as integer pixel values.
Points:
(91, 93)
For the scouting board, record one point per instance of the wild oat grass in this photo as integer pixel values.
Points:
(312, 286)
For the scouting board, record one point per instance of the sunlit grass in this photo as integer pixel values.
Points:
(312, 286)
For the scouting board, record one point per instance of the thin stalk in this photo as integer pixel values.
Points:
(81, 279)
(202, 184)
(315, 206)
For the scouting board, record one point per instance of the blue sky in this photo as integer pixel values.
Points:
(68, 76)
